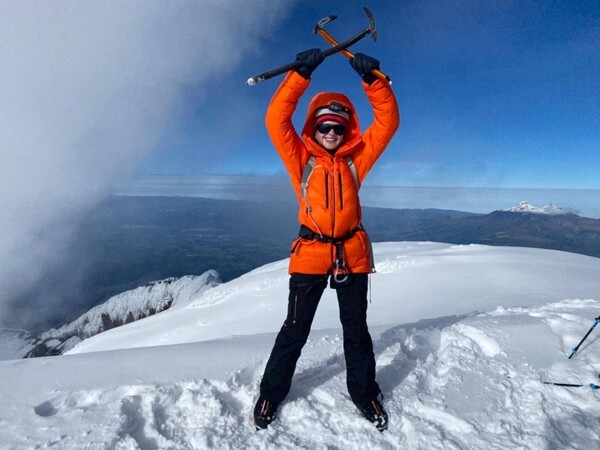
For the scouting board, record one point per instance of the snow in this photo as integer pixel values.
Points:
(463, 335)
(550, 209)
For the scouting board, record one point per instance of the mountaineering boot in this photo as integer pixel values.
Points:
(264, 413)
(375, 413)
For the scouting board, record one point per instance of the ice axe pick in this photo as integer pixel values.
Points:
(337, 47)
(320, 29)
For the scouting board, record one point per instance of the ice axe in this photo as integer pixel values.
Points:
(320, 29)
(337, 47)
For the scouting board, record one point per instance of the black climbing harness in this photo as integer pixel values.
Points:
(339, 270)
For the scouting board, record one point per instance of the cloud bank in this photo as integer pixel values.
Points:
(86, 89)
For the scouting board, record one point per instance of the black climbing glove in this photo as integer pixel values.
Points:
(364, 64)
(310, 60)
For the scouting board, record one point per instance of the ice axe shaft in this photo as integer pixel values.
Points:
(348, 54)
(320, 29)
(297, 64)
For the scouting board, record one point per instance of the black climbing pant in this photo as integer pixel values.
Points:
(305, 293)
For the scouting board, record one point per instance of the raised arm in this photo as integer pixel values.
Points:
(286, 140)
(385, 110)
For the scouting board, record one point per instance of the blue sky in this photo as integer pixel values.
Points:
(492, 94)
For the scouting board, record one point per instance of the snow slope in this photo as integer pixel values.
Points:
(414, 281)
(452, 378)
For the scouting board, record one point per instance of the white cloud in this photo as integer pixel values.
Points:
(86, 89)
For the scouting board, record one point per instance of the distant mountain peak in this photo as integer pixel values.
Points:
(550, 209)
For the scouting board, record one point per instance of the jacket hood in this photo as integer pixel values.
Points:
(352, 136)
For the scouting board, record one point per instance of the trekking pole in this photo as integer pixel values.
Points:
(591, 385)
(597, 321)
(297, 64)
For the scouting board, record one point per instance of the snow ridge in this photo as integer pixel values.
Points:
(127, 307)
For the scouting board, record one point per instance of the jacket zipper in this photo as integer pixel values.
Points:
(333, 199)
(341, 192)
(326, 190)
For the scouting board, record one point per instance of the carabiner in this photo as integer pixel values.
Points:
(340, 268)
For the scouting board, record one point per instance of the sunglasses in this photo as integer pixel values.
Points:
(325, 128)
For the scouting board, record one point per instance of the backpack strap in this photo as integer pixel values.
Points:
(306, 173)
(352, 168)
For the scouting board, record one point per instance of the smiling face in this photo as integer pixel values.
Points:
(329, 140)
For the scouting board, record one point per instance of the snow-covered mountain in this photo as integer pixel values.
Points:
(464, 337)
(121, 309)
(526, 207)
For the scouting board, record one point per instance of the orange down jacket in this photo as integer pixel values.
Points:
(332, 206)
